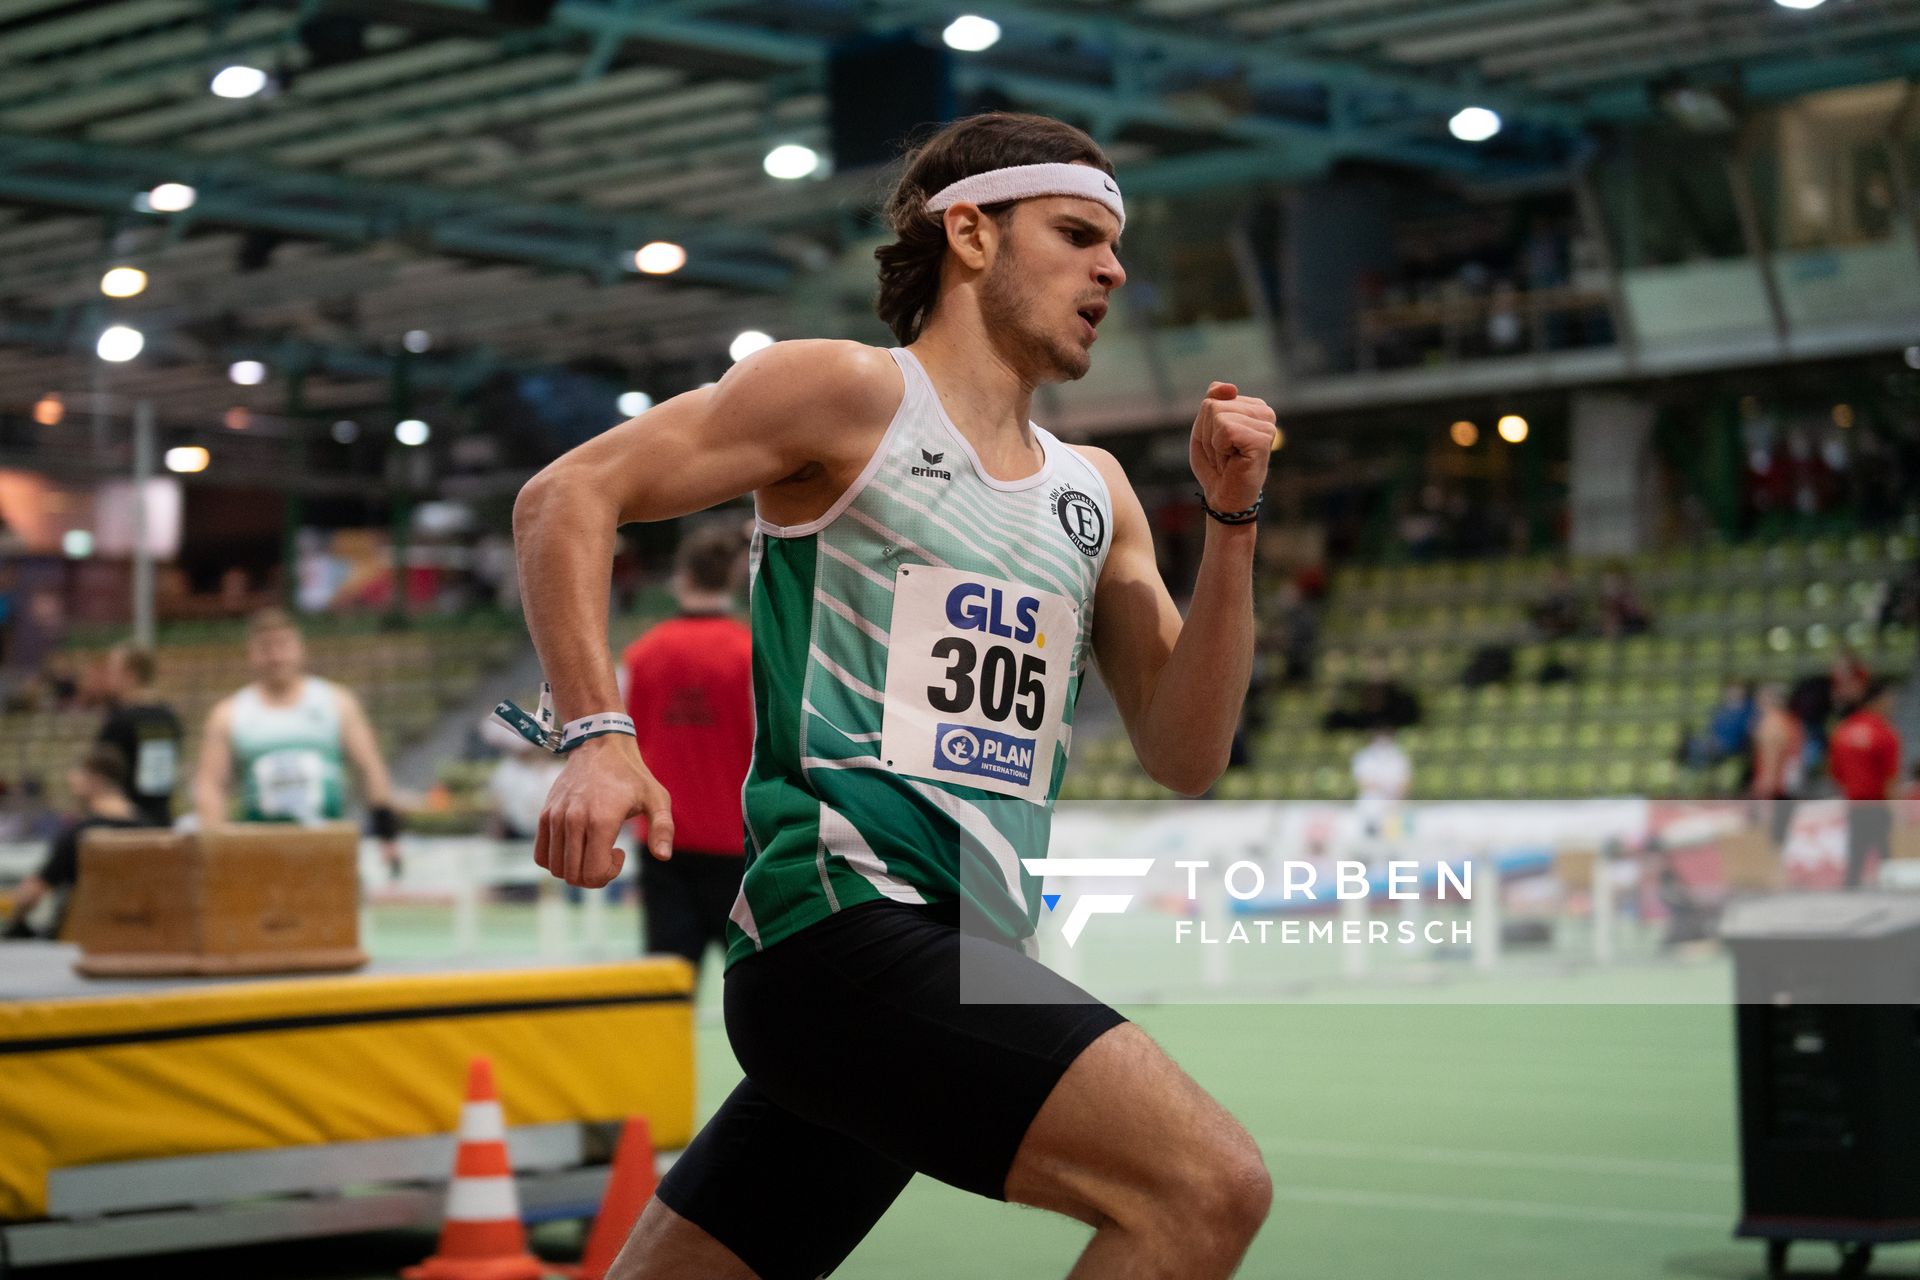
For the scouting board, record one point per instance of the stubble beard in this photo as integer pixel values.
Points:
(1010, 305)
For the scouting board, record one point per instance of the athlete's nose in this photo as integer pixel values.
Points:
(1109, 273)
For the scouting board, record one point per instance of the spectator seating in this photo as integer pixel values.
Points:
(1721, 613)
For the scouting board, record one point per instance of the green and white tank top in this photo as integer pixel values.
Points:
(917, 653)
(289, 757)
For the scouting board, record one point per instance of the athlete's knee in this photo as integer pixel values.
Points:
(1240, 1192)
(1224, 1199)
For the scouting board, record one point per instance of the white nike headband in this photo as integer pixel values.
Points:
(1024, 181)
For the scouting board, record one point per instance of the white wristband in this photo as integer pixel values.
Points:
(575, 732)
(540, 732)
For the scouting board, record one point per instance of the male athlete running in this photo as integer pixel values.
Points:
(931, 573)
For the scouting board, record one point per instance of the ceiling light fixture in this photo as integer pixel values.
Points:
(791, 161)
(747, 343)
(1474, 124)
(188, 459)
(123, 282)
(238, 82)
(971, 33)
(660, 258)
(171, 197)
(119, 343)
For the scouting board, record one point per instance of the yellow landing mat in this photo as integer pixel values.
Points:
(195, 1069)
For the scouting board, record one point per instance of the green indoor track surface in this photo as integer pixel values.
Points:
(1457, 1141)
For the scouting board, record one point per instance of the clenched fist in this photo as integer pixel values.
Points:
(603, 784)
(1232, 442)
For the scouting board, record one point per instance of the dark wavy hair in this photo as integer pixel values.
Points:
(910, 266)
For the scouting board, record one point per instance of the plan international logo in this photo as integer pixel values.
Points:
(933, 470)
(1246, 882)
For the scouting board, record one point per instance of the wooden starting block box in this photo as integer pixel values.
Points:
(239, 899)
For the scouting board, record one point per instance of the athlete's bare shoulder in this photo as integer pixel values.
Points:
(845, 383)
(221, 713)
(829, 403)
(1105, 463)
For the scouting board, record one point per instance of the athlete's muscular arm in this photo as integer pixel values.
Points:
(362, 747)
(1180, 687)
(792, 421)
(216, 766)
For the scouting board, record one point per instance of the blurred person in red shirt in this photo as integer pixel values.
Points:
(1851, 680)
(1865, 760)
(689, 689)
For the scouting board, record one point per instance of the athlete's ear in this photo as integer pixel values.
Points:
(971, 235)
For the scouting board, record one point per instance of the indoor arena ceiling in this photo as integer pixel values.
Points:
(483, 172)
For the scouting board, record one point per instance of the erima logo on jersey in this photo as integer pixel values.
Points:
(933, 469)
(959, 748)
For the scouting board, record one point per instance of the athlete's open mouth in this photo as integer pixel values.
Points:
(1092, 315)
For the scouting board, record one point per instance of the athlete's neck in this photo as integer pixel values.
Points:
(274, 691)
(986, 396)
(704, 604)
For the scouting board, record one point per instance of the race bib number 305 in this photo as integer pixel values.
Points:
(977, 673)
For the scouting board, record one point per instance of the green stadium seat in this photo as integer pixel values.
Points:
(1236, 784)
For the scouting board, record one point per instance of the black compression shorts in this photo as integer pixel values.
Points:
(863, 1067)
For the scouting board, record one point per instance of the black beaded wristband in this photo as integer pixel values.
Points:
(1248, 516)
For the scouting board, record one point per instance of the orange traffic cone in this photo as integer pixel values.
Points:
(629, 1187)
(482, 1238)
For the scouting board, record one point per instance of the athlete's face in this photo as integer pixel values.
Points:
(1046, 292)
(277, 655)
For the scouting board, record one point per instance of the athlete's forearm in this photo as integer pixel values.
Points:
(376, 785)
(1186, 736)
(563, 537)
(210, 803)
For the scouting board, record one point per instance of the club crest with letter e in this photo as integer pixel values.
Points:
(1081, 517)
(977, 676)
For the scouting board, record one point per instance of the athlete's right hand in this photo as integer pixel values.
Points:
(603, 784)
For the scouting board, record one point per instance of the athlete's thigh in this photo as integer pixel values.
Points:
(665, 1246)
(1123, 1124)
(788, 1198)
(858, 1025)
